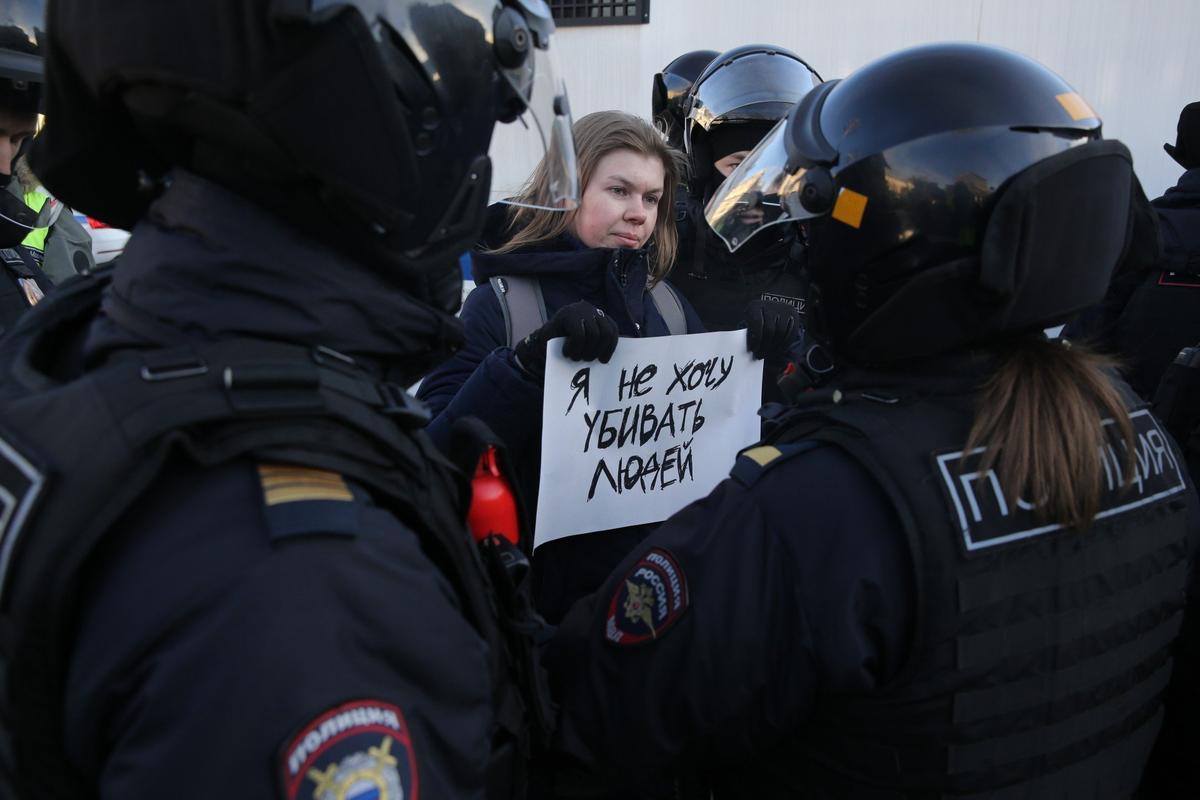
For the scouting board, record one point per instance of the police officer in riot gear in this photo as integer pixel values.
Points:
(928, 580)
(245, 570)
(41, 243)
(734, 102)
(1150, 311)
(669, 92)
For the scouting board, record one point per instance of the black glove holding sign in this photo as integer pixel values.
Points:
(771, 328)
(590, 336)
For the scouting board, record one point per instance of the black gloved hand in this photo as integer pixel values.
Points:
(771, 327)
(591, 336)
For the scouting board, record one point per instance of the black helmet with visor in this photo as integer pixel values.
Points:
(670, 91)
(954, 193)
(366, 122)
(745, 90)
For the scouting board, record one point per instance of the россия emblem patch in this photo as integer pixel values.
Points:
(358, 751)
(648, 601)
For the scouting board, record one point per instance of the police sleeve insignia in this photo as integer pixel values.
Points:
(358, 751)
(651, 598)
(282, 483)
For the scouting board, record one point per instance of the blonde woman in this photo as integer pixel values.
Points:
(600, 271)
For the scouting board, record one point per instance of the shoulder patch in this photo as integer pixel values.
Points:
(797, 303)
(648, 601)
(357, 751)
(752, 462)
(763, 454)
(301, 500)
(282, 483)
(1179, 279)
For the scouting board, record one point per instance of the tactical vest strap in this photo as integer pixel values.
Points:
(248, 378)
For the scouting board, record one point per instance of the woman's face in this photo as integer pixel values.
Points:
(619, 206)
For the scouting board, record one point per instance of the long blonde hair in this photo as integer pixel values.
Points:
(597, 135)
(1041, 416)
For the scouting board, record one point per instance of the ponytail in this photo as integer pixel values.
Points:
(1041, 417)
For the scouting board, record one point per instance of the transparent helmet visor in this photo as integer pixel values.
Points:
(547, 116)
(758, 87)
(758, 194)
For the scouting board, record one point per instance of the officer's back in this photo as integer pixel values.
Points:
(235, 565)
(928, 580)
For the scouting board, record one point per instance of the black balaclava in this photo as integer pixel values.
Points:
(731, 138)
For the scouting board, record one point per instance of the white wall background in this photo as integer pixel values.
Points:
(1136, 63)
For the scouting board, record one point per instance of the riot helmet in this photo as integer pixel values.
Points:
(670, 90)
(955, 193)
(740, 95)
(21, 36)
(364, 122)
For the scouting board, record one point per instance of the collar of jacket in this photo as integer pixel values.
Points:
(613, 278)
(206, 265)
(564, 256)
(1184, 194)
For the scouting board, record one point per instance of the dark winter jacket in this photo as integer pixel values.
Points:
(483, 380)
(1179, 218)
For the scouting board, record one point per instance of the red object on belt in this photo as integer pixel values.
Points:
(493, 506)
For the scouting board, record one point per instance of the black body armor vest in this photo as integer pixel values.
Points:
(1040, 654)
(720, 284)
(77, 448)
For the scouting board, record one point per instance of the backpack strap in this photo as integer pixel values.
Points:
(670, 307)
(522, 304)
(524, 307)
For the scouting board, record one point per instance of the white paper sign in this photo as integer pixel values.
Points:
(640, 437)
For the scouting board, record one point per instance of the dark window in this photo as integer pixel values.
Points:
(600, 12)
